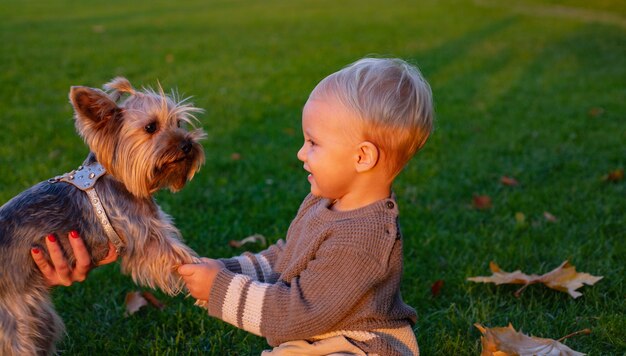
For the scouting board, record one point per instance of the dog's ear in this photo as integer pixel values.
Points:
(93, 105)
(97, 120)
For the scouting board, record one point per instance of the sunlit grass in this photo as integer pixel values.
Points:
(534, 96)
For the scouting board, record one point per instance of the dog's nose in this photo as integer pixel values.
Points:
(185, 146)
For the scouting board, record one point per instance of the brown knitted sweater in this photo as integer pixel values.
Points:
(337, 272)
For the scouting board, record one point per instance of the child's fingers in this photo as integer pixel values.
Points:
(63, 271)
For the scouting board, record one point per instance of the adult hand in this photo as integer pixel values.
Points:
(199, 277)
(59, 272)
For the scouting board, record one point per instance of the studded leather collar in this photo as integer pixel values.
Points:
(84, 178)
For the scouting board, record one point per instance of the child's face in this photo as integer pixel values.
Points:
(329, 149)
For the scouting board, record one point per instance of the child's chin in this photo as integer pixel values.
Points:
(316, 192)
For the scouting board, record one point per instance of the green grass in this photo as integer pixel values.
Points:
(513, 88)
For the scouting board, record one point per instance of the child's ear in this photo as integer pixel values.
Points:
(92, 105)
(367, 156)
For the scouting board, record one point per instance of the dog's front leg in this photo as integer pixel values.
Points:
(154, 264)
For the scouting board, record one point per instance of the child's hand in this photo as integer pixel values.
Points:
(199, 277)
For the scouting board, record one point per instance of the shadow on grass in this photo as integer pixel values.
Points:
(541, 130)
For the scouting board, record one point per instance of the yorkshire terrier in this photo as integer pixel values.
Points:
(140, 141)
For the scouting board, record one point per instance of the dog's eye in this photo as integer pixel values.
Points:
(151, 127)
(178, 123)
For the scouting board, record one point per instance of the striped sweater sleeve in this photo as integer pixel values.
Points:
(259, 266)
(238, 300)
(322, 295)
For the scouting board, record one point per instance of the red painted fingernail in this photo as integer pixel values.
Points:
(74, 234)
(51, 238)
(35, 250)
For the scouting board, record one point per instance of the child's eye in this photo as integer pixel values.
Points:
(311, 142)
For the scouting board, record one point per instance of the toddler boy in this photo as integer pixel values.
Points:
(334, 285)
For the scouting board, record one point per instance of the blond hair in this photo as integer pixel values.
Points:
(393, 101)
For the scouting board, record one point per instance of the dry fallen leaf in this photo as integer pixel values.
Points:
(505, 341)
(137, 300)
(250, 239)
(596, 112)
(549, 217)
(520, 220)
(153, 300)
(615, 176)
(482, 202)
(509, 181)
(500, 277)
(134, 301)
(563, 278)
(435, 288)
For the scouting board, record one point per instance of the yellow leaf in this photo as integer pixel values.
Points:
(500, 277)
(563, 278)
(505, 341)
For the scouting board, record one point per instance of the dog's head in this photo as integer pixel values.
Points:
(142, 140)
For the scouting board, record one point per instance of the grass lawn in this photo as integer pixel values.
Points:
(535, 91)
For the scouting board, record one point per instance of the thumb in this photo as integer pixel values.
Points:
(186, 270)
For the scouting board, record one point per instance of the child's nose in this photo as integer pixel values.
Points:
(301, 156)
